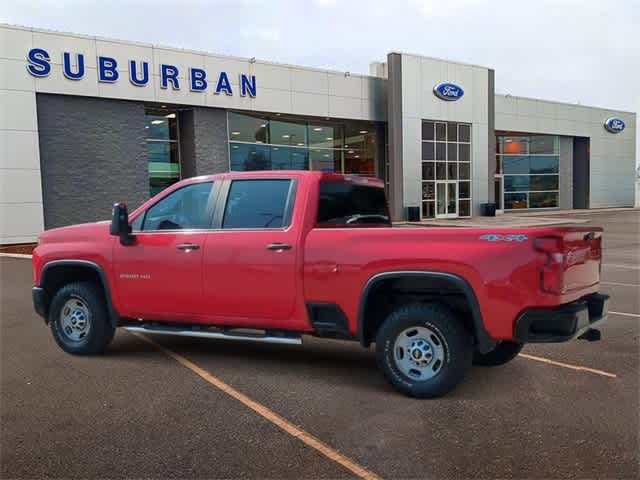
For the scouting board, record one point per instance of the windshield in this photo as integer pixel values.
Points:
(346, 204)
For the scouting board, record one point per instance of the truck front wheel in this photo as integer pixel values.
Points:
(424, 350)
(502, 353)
(79, 320)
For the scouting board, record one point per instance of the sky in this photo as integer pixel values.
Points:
(579, 51)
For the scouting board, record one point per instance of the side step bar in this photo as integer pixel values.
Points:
(291, 340)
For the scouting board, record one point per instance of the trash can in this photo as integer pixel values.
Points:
(413, 214)
(488, 209)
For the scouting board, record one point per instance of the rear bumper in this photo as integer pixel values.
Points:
(40, 301)
(563, 323)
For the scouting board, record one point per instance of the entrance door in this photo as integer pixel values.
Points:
(447, 199)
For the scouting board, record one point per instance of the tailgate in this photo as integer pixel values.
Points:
(582, 258)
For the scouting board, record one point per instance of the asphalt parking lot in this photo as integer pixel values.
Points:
(558, 411)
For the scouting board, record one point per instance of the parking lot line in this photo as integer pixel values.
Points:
(568, 365)
(266, 413)
(625, 314)
(620, 284)
(616, 265)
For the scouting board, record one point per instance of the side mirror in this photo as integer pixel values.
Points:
(120, 224)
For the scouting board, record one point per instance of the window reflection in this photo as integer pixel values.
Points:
(344, 147)
(530, 165)
(161, 131)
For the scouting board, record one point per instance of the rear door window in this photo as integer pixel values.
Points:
(263, 204)
(348, 204)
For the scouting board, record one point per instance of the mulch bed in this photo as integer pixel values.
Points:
(26, 248)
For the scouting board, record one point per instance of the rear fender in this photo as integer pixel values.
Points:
(484, 343)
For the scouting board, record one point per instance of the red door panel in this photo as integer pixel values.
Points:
(160, 277)
(245, 279)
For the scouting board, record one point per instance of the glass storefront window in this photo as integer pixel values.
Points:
(288, 133)
(516, 164)
(428, 170)
(348, 147)
(543, 199)
(544, 164)
(245, 128)
(544, 144)
(428, 151)
(530, 166)
(161, 126)
(325, 136)
(464, 152)
(464, 133)
(464, 207)
(465, 189)
(515, 201)
(325, 160)
(464, 171)
(446, 159)
(163, 153)
(428, 131)
(246, 157)
(516, 183)
(289, 158)
(513, 145)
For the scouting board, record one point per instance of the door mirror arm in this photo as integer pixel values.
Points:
(120, 224)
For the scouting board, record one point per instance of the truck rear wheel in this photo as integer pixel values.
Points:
(502, 353)
(79, 320)
(424, 350)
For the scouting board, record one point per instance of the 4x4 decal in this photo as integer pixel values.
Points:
(495, 237)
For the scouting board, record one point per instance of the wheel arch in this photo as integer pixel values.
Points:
(60, 272)
(365, 335)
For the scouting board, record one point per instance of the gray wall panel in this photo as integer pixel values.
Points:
(92, 154)
(566, 172)
(394, 118)
(491, 109)
(211, 149)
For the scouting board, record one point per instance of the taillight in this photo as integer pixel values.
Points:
(552, 274)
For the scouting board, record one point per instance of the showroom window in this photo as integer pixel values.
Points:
(446, 169)
(163, 156)
(276, 142)
(528, 170)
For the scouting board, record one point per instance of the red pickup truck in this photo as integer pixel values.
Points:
(270, 256)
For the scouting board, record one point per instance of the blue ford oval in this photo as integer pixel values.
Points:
(614, 124)
(448, 91)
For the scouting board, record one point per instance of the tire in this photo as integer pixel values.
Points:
(503, 352)
(79, 319)
(445, 350)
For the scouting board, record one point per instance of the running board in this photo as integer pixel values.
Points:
(293, 340)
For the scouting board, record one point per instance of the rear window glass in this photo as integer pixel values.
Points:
(346, 204)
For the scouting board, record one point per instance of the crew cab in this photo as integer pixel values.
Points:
(273, 256)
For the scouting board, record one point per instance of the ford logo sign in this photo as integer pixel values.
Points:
(448, 91)
(614, 125)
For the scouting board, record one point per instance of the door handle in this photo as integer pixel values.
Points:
(187, 247)
(278, 246)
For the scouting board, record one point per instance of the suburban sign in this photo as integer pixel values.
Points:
(109, 71)
(614, 124)
(448, 91)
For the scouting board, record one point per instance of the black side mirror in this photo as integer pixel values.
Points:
(120, 224)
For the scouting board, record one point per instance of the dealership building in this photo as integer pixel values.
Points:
(87, 121)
